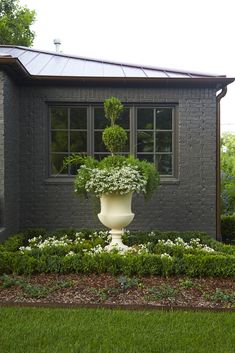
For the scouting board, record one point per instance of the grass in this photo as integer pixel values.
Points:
(38, 330)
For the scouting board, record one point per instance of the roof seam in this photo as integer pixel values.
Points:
(43, 67)
(31, 59)
(123, 70)
(167, 75)
(144, 72)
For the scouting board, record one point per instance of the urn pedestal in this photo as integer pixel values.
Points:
(116, 214)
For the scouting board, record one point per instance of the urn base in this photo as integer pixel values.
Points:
(116, 242)
(116, 214)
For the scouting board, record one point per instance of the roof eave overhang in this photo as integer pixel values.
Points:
(15, 68)
(209, 82)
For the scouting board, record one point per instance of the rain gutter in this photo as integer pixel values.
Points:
(218, 172)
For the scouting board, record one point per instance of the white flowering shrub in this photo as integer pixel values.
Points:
(94, 243)
(139, 249)
(114, 174)
(179, 246)
(121, 180)
(166, 256)
(65, 245)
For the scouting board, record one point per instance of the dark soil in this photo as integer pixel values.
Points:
(110, 290)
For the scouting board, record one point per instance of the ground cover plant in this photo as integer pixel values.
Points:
(33, 330)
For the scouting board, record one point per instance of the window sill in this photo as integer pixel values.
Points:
(70, 180)
(169, 181)
(59, 180)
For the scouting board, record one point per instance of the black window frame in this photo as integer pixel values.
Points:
(132, 131)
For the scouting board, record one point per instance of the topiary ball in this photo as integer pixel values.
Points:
(114, 138)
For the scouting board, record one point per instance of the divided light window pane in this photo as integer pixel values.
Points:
(155, 134)
(78, 118)
(164, 164)
(57, 163)
(59, 118)
(163, 141)
(78, 141)
(147, 157)
(68, 135)
(145, 118)
(164, 119)
(145, 141)
(59, 141)
(100, 121)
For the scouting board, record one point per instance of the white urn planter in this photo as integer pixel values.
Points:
(116, 214)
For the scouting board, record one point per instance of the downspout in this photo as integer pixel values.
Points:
(218, 181)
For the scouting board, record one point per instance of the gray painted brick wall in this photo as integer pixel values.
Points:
(1, 150)
(9, 155)
(12, 192)
(188, 204)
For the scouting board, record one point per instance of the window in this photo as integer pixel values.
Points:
(155, 137)
(78, 129)
(68, 135)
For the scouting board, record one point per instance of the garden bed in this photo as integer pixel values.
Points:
(108, 290)
(160, 269)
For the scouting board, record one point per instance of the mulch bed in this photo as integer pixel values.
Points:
(110, 291)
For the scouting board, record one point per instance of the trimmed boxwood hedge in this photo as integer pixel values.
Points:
(221, 263)
(142, 265)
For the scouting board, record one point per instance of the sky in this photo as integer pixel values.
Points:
(193, 35)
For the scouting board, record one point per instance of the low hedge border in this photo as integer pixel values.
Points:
(221, 263)
(142, 265)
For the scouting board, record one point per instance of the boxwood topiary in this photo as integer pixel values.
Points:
(114, 138)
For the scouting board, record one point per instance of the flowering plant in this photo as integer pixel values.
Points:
(115, 175)
(93, 242)
(179, 247)
(122, 180)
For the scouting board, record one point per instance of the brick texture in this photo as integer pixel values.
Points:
(9, 161)
(188, 204)
(1, 150)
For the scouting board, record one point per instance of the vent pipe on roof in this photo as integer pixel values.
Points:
(57, 43)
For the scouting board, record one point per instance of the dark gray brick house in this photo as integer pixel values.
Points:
(51, 105)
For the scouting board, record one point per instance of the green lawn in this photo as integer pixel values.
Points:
(38, 330)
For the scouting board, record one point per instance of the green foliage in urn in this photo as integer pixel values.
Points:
(114, 175)
(148, 170)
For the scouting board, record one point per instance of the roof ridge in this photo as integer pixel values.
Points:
(104, 61)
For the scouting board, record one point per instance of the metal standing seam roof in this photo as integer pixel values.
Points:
(37, 64)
